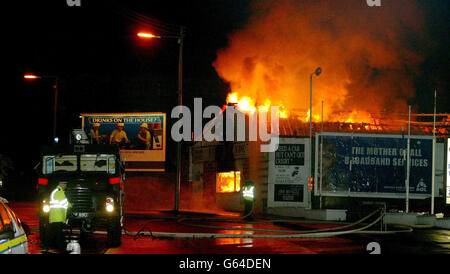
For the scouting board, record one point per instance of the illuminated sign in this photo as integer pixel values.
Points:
(288, 173)
(139, 155)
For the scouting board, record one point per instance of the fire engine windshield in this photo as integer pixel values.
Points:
(59, 163)
(88, 162)
(98, 162)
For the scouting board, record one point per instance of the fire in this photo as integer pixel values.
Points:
(365, 70)
(248, 105)
(227, 182)
(315, 117)
(232, 98)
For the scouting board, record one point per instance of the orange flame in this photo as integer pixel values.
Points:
(365, 70)
(228, 182)
(248, 105)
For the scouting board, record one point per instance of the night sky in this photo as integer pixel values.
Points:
(103, 67)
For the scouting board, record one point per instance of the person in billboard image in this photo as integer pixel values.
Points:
(95, 135)
(143, 138)
(334, 179)
(119, 136)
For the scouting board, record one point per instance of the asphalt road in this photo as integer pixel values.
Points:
(423, 241)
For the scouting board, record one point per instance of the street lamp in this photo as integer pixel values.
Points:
(147, 35)
(180, 38)
(55, 87)
(317, 73)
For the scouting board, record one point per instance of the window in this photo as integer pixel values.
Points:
(98, 162)
(88, 162)
(5, 219)
(13, 215)
(59, 163)
(227, 182)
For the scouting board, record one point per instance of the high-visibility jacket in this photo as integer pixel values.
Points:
(58, 206)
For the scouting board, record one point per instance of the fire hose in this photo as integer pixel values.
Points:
(317, 233)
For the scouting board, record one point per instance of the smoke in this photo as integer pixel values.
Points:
(368, 55)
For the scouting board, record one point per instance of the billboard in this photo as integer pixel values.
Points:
(370, 165)
(138, 155)
(288, 173)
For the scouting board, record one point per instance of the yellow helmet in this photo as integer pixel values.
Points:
(120, 124)
(144, 125)
(96, 124)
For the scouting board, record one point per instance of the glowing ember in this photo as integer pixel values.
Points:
(227, 182)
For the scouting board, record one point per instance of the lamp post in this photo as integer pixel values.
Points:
(180, 38)
(55, 87)
(317, 73)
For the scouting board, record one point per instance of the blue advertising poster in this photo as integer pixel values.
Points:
(146, 153)
(375, 164)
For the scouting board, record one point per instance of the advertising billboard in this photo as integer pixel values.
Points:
(370, 165)
(147, 153)
(288, 173)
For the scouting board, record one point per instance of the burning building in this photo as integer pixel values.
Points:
(370, 57)
(284, 184)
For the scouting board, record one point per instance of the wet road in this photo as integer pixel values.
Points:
(423, 241)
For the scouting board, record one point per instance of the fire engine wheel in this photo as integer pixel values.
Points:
(84, 236)
(114, 237)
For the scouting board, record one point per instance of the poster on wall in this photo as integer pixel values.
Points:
(140, 136)
(369, 165)
(288, 173)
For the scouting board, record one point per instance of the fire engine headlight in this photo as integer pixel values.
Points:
(46, 207)
(109, 208)
(109, 204)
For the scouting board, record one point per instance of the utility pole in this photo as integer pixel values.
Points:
(321, 158)
(180, 103)
(317, 73)
(55, 108)
(180, 39)
(408, 161)
(433, 165)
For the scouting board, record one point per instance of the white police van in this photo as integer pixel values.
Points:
(13, 239)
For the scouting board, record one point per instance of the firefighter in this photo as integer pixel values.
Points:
(57, 217)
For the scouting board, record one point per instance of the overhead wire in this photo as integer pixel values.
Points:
(147, 21)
